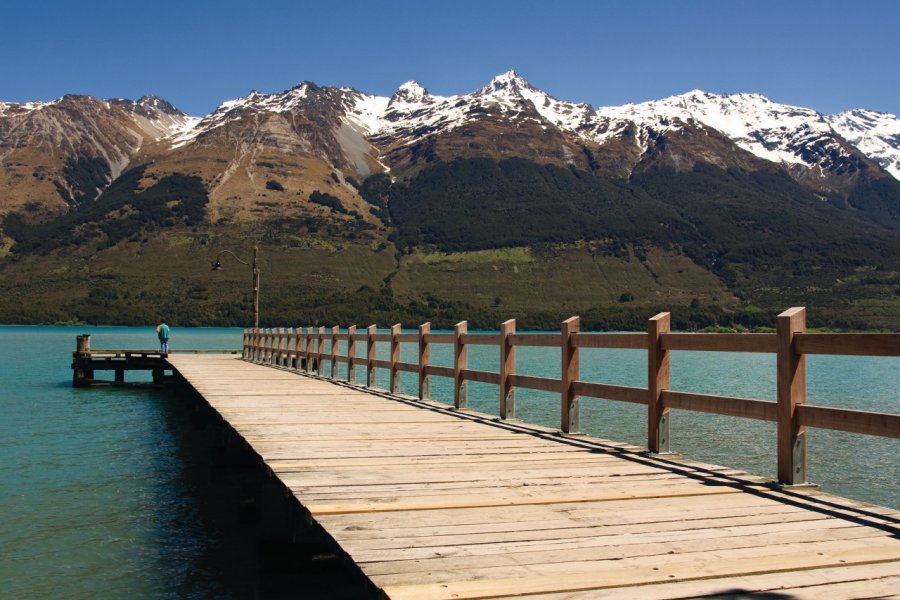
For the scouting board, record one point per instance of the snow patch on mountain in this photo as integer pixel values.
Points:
(876, 134)
(366, 112)
(11, 109)
(775, 132)
(234, 109)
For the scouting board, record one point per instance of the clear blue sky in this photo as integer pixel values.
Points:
(824, 54)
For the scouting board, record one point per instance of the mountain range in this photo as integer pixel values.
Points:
(768, 203)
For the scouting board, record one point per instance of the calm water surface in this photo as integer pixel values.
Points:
(104, 493)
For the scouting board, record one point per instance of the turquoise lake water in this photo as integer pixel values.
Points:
(104, 493)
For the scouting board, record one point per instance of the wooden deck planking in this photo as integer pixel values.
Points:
(436, 504)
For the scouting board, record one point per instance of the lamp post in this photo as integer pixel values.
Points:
(255, 267)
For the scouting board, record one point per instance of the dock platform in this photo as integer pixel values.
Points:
(435, 503)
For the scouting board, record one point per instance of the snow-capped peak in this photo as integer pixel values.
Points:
(410, 92)
(507, 84)
(510, 88)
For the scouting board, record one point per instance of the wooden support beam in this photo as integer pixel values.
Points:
(370, 355)
(790, 393)
(424, 360)
(570, 412)
(460, 360)
(395, 358)
(658, 369)
(507, 368)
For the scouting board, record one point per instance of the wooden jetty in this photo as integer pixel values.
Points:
(86, 362)
(433, 501)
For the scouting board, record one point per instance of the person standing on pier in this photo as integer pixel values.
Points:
(162, 332)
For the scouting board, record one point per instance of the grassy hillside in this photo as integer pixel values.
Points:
(471, 239)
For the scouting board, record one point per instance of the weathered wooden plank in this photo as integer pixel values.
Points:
(625, 574)
(719, 342)
(611, 392)
(582, 554)
(535, 383)
(550, 340)
(633, 341)
(721, 405)
(480, 376)
(659, 538)
(845, 419)
(871, 580)
(508, 499)
(858, 344)
(481, 339)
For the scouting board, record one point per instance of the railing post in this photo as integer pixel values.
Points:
(267, 346)
(254, 344)
(569, 353)
(657, 381)
(244, 344)
(507, 368)
(460, 359)
(424, 361)
(351, 353)
(320, 350)
(791, 392)
(335, 331)
(370, 355)
(395, 358)
(309, 348)
(281, 339)
(289, 348)
(298, 333)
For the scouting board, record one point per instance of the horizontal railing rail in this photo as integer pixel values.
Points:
(308, 349)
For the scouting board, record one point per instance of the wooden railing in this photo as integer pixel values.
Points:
(309, 349)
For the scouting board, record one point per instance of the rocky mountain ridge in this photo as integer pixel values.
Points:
(54, 155)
